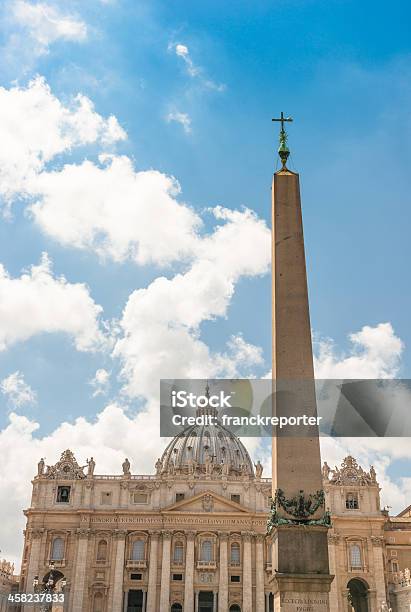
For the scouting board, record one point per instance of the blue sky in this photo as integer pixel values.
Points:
(194, 86)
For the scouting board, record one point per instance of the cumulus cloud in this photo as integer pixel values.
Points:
(39, 302)
(161, 323)
(182, 118)
(117, 212)
(100, 382)
(35, 127)
(17, 391)
(375, 353)
(45, 24)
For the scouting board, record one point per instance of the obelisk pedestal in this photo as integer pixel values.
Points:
(299, 521)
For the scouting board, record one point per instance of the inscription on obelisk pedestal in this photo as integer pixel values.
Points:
(299, 521)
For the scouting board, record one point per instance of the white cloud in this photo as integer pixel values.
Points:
(35, 127)
(45, 24)
(119, 213)
(375, 353)
(17, 391)
(161, 323)
(182, 118)
(39, 302)
(100, 382)
(194, 71)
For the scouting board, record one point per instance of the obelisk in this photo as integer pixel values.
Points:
(299, 521)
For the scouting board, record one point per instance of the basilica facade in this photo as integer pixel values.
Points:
(192, 536)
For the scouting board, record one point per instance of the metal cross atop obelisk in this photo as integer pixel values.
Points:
(283, 150)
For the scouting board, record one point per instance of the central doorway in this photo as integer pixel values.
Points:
(205, 601)
(358, 594)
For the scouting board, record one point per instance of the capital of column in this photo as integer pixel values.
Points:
(35, 534)
(154, 535)
(247, 535)
(190, 536)
(166, 535)
(260, 537)
(83, 533)
(224, 536)
(120, 534)
(377, 540)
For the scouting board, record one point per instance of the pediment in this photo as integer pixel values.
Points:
(206, 502)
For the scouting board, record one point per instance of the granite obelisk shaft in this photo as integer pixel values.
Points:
(300, 552)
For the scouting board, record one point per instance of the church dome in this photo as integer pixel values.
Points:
(207, 448)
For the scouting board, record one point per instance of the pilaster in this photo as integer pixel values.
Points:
(152, 573)
(189, 573)
(78, 583)
(223, 582)
(165, 571)
(247, 538)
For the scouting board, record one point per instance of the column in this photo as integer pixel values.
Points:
(196, 605)
(215, 601)
(377, 544)
(34, 560)
(80, 570)
(125, 603)
(267, 602)
(247, 574)
(117, 594)
(152, 573)
(223, 586)
(189, 573)
(144, 600)
(259, 569)
(165, 572)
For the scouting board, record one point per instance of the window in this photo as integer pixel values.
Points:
(106, 498)
(102, 550)
(206, 550)
(351, 501)
(235, 553)
(140, 498)
(391, 540)
(177, 577)
(136, 576)
(57, 549)
(180, 497)
(137, 552)
(63, 495)
(235, 498)
(355, 554)
(235, 608)
(176, 607)
(394, 553)
(178, 553)
(269, 552)
(235, 578)
(395, 568)
(98, 603)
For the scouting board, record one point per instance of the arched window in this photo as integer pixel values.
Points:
(98, 602)
(176, 607)
(178, 553)
(355, 554)
(137, 553)
(235, 608)
(102, 550)
(57, 549)
(206, 550)
(235, 553)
